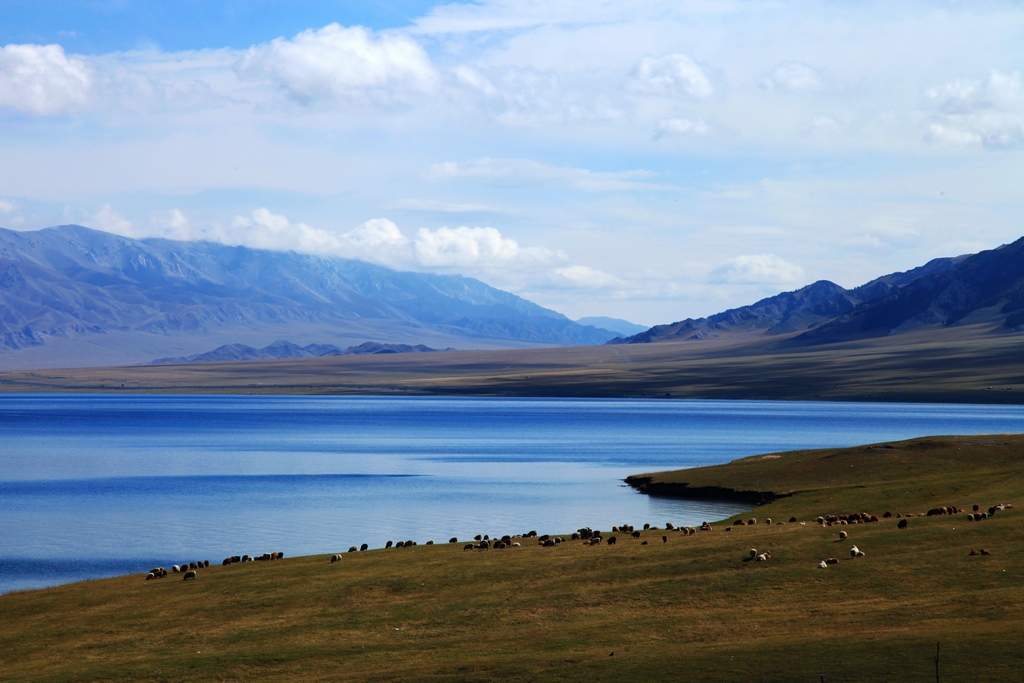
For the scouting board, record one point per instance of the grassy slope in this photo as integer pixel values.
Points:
(688, 609)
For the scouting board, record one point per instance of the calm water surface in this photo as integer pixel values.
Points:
(95, 486)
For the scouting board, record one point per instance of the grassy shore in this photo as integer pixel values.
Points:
(690, 608)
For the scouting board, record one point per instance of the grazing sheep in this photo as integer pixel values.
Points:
(984, 552)
(823, 565)
(705, 527)
(856, 552)
(176, 569)
(973, 552)
(596, 540)
(669, 526)
(517, 545)
(752, 521)
(500, 545)
(336, 557)
(453, 539)
(664, 539)
(468, 546)
(643, 542)
(768, 521)
(353, 549)
(547, 544)
(388, 545)
(831, 560)
(150, 576)
(646, 527)
(792, 520)
(190, 574)
(843, 535)
(902, 524)
(611, 540)
(635, 534)
(753, 552)
(764, 557)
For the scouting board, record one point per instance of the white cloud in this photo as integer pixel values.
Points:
(678, 126)
(964, 95)
(757, 269)
(793, 77)
(337, 62)
(41, 79)
(6, 206)
(587, 277)
(464, 246)
(266, 230)
(108, 220)
(671, 74)
(969, 112)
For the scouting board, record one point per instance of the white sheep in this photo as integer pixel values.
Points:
(823, 565)
(753, 552)
(856, 552)
(764, 557)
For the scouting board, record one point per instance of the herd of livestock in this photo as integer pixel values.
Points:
(593, 537)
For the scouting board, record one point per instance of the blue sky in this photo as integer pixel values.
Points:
(647, 160)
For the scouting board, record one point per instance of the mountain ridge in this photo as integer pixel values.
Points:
(987, 287)
(135, 300)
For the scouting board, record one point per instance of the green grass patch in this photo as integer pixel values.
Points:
(688, 609)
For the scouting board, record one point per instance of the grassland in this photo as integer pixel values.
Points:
(686, 609)
(963, 365)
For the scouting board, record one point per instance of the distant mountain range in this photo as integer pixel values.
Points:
(71, 296)
(286, 349)
(985, 288)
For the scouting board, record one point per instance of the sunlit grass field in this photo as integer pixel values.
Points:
(689, 608)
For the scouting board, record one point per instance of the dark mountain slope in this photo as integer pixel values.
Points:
(984, 287)
(807, 308)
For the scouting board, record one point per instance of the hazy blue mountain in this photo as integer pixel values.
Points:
(133, 300)
(812, 310)
(616, 325)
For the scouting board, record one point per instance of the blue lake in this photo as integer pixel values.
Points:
(99, 485)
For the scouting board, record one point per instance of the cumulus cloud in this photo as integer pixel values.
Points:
(757, 269)
(338, 62)
(793, 77)
(42, 79)
(671, 74)
(266, 230)
(464, 246)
